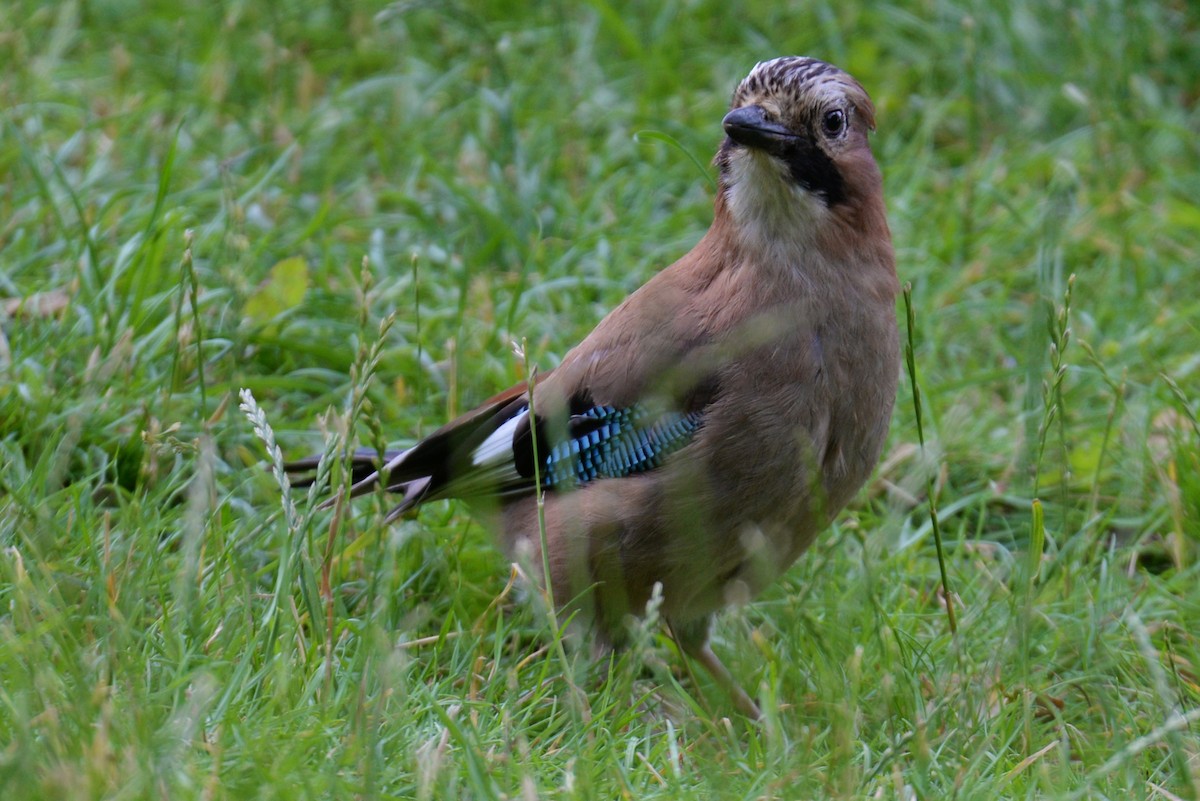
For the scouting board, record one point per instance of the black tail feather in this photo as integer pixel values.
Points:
(364, 462)
(365, 465)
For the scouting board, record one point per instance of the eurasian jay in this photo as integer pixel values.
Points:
(719, 418)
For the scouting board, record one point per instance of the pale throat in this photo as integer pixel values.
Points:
(773, 216)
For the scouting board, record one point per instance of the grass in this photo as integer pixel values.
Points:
(203, 199)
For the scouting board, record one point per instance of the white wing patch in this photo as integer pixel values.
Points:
(498, 448)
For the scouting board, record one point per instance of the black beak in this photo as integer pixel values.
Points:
(749, 126)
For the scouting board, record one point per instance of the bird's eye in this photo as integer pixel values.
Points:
(834, 122)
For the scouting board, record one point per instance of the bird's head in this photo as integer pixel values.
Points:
(795, 154)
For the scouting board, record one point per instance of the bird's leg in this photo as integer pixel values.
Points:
(692, 639)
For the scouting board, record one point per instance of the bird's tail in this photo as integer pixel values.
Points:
(364, 462)
(366, 468)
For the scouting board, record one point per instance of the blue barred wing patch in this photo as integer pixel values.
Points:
(615, 443)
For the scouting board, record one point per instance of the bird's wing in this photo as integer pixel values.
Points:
(500, 450)
(503, 451)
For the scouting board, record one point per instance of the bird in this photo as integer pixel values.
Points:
(694, 444)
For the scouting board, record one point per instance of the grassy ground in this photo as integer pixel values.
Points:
(200, 199)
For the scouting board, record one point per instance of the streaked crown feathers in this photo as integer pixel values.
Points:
(799, 85)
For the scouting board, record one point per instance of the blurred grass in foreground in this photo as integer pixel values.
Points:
(201, 197)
